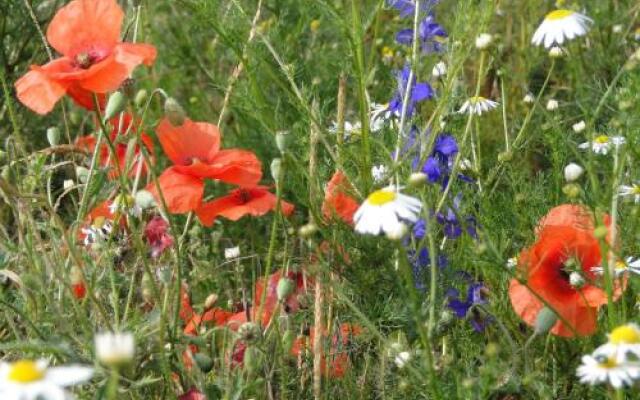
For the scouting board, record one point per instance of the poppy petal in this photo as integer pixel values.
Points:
(182, 193)
(38, 92)
(192, 140)
(238, 167)
(133, 54)
(85, 25)
(337, 201)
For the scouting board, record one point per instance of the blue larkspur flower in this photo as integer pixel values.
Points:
(439, 164)
(450, 221)
(418, 91)
(431, 35)
(407, 8)
(461, 307)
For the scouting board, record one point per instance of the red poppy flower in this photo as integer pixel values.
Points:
(251, 200)
(337, 200)
(194, 149)
(120, 139)
(87, 34)
(565, 240)
(338, 353)
(156, 233)
(193, 394)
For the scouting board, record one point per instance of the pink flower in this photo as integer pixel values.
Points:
(157, 235)
(193, 394)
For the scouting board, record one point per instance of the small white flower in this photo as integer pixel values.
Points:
(573, 172)
(379, 173)
(576, 280)
(552, 105)
(483, 41)
(68, 184)
(477, 105)
(231, 253)
(440, 69)
(402, 359)
(602, 144)
(601, 367)
(144, 199)
(466, 165)
(556, 52)
(529, 98)
(114, 349)
(512, 262)
(560, 25)
(621, 267)
(31, 380)
(384, 210)
(617, 28)
(349, 128)
(579, 126)
(632, 190)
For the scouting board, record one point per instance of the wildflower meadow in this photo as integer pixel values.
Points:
(319, 199)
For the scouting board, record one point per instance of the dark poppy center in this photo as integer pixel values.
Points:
(243, 196)
(86, 59)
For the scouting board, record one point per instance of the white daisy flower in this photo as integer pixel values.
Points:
(384, 212)
(603, 367)
(483, 41)
(623, 344)
(31, 380)
(379, 173)
(602, 144)
(402, 359)
(114, 349)
(561, 25)
(477, 105)
(349, 128)
(621, 267)
(630, 191)
(379, 115)
(98, 232)
(528, 98)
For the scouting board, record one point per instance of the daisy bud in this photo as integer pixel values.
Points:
(140, 98)
(285, 288)
(114, 349)
(210, 301)
(115, 105)
(276, 169)
(204, 362)
(282, 139)
(571, 190)
(573, 172)
(398, 232)
(174, 112)
(440, 69)
(232, 252)
(579, 126)
(556, 52)
(552, 105)
(545, 320)
(144, 199)
(601, 232)
(576, 280)
(483, 41)
(82, 173)
(402, 359)
(308, 230)
(528, 98)
(67, 184)
(417, 179)
(53, 136)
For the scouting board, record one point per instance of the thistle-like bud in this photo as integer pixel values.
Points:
(53, 136)
(174, 112)
(545, 320)
(285, 288)
(115, 105)
(249, 332)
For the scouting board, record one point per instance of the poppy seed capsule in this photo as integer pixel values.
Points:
(53, 136)
(285, 288)
(249, 332)
(282, 139)
(115, 105)
(545, 320)
(174, 112)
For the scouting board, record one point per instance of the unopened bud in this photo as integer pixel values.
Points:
(308, 230)
(483, 41)
(601, 232)
(53, 136)
(556, 52)
(204, 362)
(276, 169)
(505, 156)
(552, 105)
(417, 179)
(528, 98)
(174, 112)
(115, 105)
(545, 320)
(573, 172)
(140, 98)
(83, 174)
(579, 126)
(210, 301)
(282, 139)
(285, 288)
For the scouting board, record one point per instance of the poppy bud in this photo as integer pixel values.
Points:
(253, 359)
(545, 320)
(82, 173)
(140, 98)
(579, 126)
(53, 136)
(601, 232)
(282, 139)
(115, 105)
(75, 117)
(210, 301)
(174, 112)
(276, 168)
(285, 288)
(204, 362)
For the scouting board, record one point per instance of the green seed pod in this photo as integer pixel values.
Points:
(285, 288)
(282, 141)
(174, 112)
(116, 104)
(276, 169)
(140, 98)
(545, 320)
(205, 363)
(53, 136)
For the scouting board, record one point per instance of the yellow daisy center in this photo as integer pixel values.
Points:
(25, 371)
(381, 197)
(608, 363)
(602, 139)
(621, 265)
(558, 14)
(477, 99)
(625, 334)
(635, 189)
(387, 51)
